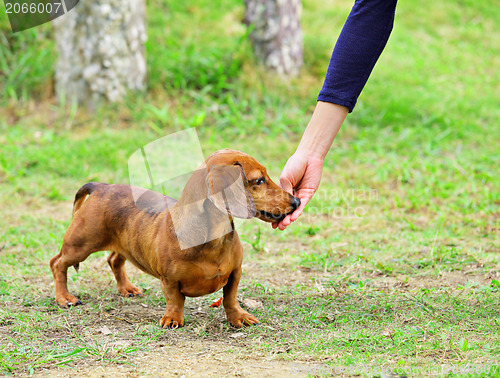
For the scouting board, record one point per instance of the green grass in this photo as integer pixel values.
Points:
(395, 262)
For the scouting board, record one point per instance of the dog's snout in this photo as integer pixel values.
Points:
(295, 203)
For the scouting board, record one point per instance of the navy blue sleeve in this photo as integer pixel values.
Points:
(358, 47)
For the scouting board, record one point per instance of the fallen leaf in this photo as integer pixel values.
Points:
(105, 330)
(237, 334)
(252, 303)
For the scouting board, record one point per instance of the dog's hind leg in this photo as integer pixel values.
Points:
(125, 287)
(67, 257)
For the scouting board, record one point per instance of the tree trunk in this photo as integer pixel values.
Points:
(276, 36)
(101, 50)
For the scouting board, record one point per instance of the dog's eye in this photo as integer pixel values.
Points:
(260, 181)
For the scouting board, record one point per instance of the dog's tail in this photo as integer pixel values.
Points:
(82, 194)
(80, 198)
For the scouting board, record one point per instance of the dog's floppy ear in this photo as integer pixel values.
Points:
(227, 189)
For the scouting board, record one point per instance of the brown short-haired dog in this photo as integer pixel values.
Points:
(190, 245)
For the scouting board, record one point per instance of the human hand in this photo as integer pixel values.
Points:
(301, 177)
(302, 173)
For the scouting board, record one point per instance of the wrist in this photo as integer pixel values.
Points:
(311, 151)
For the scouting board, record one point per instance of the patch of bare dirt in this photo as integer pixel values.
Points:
(190, 359)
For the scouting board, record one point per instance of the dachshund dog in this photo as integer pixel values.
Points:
(189, 244)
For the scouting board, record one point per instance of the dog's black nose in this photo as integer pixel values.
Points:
(295, 203)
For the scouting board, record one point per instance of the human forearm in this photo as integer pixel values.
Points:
(322, 129)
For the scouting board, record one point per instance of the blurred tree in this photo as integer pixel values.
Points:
(276, 36)
(101, 50)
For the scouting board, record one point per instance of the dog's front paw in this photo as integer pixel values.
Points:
(239, 318)
(171, 321)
